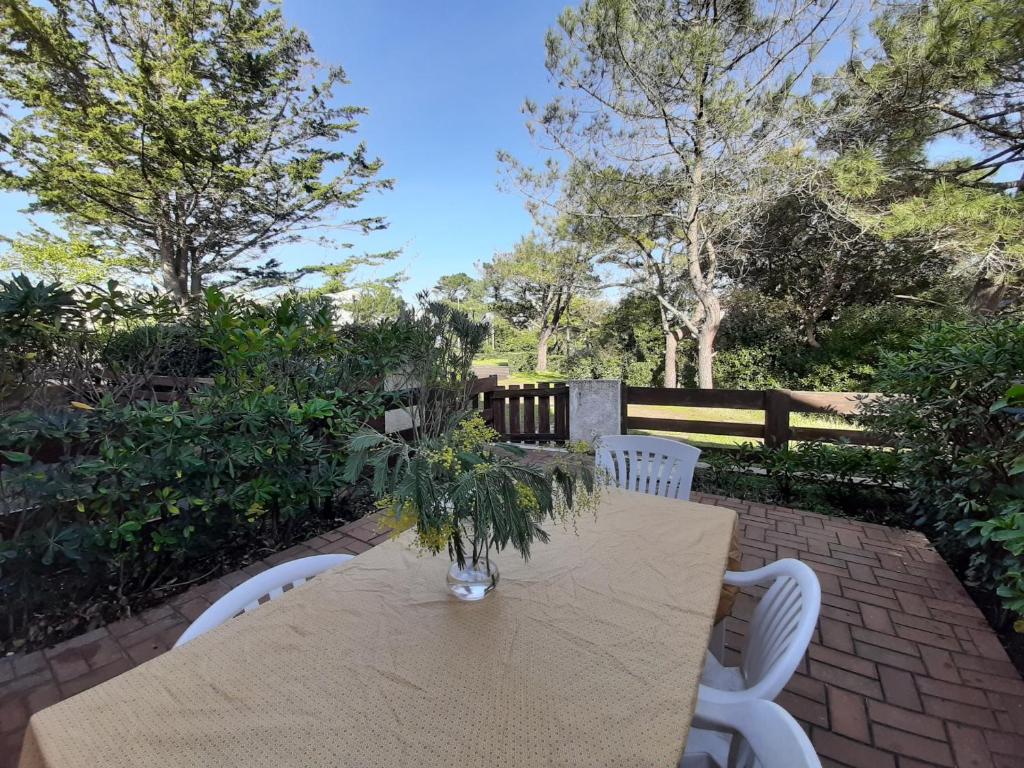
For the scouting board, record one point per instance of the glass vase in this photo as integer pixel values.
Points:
(474, 580)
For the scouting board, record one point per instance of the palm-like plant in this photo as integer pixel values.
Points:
(462, 490)
(465, 492)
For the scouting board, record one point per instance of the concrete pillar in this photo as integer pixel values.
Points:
(595, 409)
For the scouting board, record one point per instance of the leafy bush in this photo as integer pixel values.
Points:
(756, 320)
(1007, 528)
(141, 496)
(55, 341)
(747, 368)
(958, 444)
(821, 477)
(521, 362)
(759, 347)
(161, 349)
(31, 318)
(627, 344)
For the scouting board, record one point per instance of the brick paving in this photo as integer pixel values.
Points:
(904, 672)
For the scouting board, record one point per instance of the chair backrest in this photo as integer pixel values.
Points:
(270, 585)
(764, 735)
(781, 626)
(648, 464)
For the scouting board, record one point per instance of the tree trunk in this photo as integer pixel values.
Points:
(811, 334)
(706, 335)
(170, 269)
(542, 350)
(195, 276)
(671, 344)
(706, 346)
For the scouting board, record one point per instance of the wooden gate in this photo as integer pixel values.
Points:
(529, 413)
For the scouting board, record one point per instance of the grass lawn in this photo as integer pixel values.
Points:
(724, 414)
(532, 378)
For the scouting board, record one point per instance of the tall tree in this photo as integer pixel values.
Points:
(945, 67)
(374, 301)
(194, 135)
(462, 291)
(71, 261)
(952, 69)
(679, 119)
(812, 251)
(534, 285)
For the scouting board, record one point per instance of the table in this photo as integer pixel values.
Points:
(589, 654)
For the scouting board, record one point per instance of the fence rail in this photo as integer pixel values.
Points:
(777, 404)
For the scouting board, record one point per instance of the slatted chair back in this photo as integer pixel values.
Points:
(778, 634)
(651, 465)
(266, 586)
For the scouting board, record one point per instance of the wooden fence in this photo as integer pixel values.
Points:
(539, 413)
(777, 405)
(527, 413)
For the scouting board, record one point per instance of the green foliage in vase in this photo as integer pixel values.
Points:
(468, 494)
(462, 490)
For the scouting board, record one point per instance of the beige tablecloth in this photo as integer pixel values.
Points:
(588, 655)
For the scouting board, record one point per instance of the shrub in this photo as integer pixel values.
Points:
(747, 368)
(756, 320)
(759, 346)
(821, 477)
(638, 373)
(54, 341)
(1006, 529)
(521, 362)
(162, 349)
(142, 496)
(627, 344)
(958, 453)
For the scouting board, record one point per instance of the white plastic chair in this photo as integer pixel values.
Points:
(648, 464)
(270, 584)
(777, 637)
(749, 734)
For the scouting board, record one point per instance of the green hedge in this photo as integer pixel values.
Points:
(864, 483)
(960, 446)
(146, 496)
(163, 349)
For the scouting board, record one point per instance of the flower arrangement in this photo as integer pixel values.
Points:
(449, 477)
(466, 493)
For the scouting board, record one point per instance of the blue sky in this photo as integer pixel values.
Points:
(444, 83)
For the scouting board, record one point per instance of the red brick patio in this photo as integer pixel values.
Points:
(904, 672)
